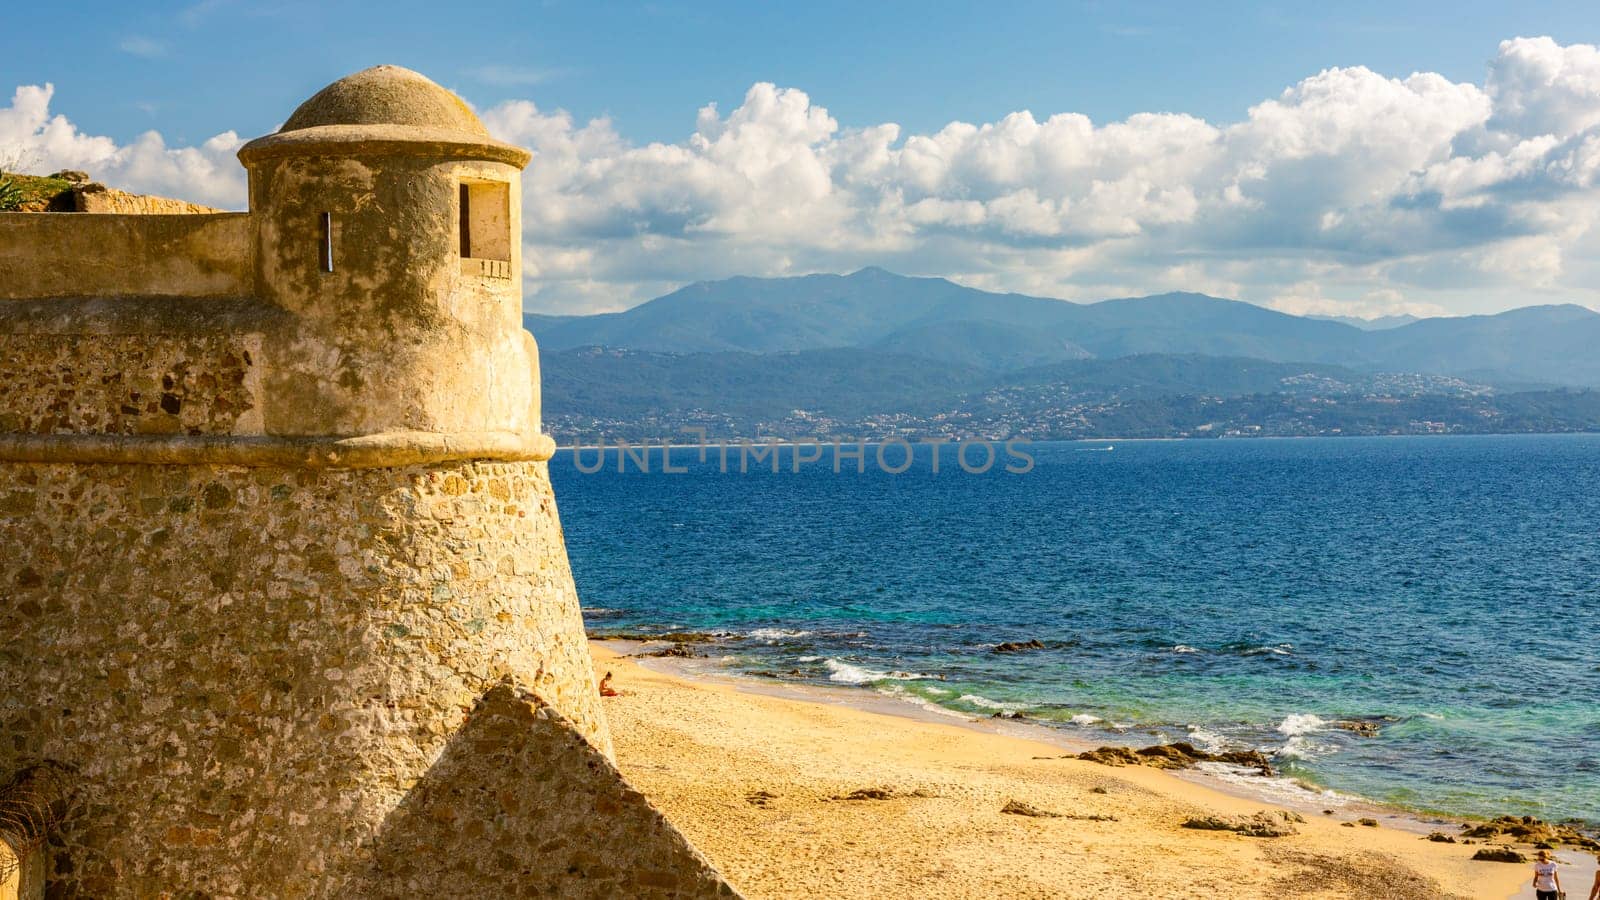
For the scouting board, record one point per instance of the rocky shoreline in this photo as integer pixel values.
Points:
(836, 792)
(1508, 838)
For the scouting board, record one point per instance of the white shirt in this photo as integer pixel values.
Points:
(1544, 876)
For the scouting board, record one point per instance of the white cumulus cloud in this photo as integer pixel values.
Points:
(32, 138)
(1350, 191)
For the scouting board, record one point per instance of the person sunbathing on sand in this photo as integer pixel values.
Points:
(606, 690)
(1547, 878)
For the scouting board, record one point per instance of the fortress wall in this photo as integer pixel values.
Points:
(250, 669)
(284, 598)
(115, 201)
(88, 255)
(131, 384)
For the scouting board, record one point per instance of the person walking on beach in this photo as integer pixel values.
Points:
(1594, 892)
(1546, 878)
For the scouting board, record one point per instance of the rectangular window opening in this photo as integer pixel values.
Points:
(486, 220)
(325, 246)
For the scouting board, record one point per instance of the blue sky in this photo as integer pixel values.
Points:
(192, 69)
(1185, 166)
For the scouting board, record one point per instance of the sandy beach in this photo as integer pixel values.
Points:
(762, 785)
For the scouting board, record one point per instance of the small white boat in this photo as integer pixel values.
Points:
(1106, 449)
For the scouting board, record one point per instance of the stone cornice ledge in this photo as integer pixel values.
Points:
(372, 451)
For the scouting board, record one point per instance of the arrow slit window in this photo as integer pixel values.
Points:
(325, 243)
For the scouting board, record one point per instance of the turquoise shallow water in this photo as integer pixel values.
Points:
(1233, 593)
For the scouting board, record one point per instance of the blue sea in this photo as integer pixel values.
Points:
(1236, 594)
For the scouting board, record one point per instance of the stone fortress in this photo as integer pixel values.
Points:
(286, 610)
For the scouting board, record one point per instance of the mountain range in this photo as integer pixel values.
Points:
(745, 354)
(939, 320)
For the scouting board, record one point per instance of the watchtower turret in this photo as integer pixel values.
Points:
(385, 221)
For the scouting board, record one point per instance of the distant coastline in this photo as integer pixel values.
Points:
(655, 444)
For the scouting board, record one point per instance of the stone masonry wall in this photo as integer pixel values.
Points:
(130, 384)
(250, 668)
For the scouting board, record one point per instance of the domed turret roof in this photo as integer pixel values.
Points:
(383, 110)
(386, 95)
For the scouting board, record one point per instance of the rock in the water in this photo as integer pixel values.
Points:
(1262, 824)
(1361, 727)
(676, 637)
(1018, 808)
(1179, 755)
(1527, 829)
(1499, 854)
(678, 650)
(1019, 646)
(1253, 759)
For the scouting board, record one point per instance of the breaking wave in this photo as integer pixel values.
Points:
(985, 703)
(846, 673)
(776, 634)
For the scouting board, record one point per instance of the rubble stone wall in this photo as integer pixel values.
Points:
(250, 668)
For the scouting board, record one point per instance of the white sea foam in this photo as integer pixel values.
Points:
(845, 673)
(1085, 719)
(1209, 741)
(1298, 727)
(1283, 790)
(808, 658)
(1184, 648)
(1301, 723)
(1297, 747)
(776, 634)
(1278, 650)
(900, 693)
(938, 691)
(986, 703)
